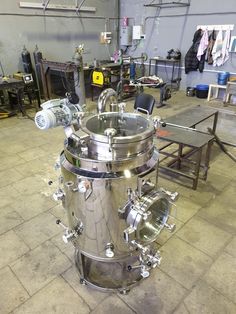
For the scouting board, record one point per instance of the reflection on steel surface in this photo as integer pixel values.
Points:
(109, 191)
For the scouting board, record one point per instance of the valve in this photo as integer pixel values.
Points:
(82, 187)
(156, 122)
(68, 235)
(170, 227)
(148, 258)
(59, 195)
(173, 196)
(109, 250)
(57, 165)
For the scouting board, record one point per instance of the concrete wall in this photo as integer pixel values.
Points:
(56, 37)
(174, 28)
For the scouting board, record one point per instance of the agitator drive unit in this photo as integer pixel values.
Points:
(109, 191)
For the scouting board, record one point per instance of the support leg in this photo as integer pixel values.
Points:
(180, 155)
(207, 159)
(197, 168)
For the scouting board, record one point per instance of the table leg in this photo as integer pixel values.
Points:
(20, 101)
(180, 155)
(215, 121)
(207, 159)
(37, 92)
(209, 93)
(197, 168)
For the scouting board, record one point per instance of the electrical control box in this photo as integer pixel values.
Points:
(137, 32)
(126, 36)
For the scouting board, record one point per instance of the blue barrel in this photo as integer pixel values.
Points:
(202, 90)
(223, 78)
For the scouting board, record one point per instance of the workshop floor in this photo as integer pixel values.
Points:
(37, 273)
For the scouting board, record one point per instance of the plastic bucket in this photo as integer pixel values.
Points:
(202, 91)
(223, 78)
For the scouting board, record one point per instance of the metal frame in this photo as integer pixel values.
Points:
(46, 66)
(44, 5)
(18, 86)
(198, 150)
(174, 64)
(180, 157)
(171, 4)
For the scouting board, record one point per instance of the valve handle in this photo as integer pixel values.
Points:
(59, 223)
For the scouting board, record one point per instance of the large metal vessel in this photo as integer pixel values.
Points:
(115, 209)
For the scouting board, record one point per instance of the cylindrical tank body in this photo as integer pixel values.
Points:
(38, 56)
(26, 59)
(114, 208)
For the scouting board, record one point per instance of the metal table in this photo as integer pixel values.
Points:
(175, 67)
(195, 140)
(18, 86)
(193, 116)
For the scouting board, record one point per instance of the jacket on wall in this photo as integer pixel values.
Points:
(191, 61)
(212, 39)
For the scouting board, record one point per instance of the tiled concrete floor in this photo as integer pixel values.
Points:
(37, 275)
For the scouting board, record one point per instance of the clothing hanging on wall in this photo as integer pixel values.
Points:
(220, 52)
(217, 49)
(211, 42)
(203, 45)
(191, 61)
(225, 47)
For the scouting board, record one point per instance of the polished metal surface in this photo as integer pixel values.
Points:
(133, 136)
(193, 116)
(109, 191)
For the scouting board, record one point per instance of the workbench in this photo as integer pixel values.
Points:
(193, 116)
(195, 142)
(18, 86)
(175, 66)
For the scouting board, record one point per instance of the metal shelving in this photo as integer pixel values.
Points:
(170, 4)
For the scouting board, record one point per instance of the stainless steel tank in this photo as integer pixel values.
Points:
(115, 209)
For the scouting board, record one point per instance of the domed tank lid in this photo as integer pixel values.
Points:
(127, 127)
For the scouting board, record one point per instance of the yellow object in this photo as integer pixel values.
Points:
(18, 75)
(4, 115)
(5, 79)
(232, 79)
(98, 78)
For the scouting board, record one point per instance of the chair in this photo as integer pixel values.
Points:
(144, 103)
